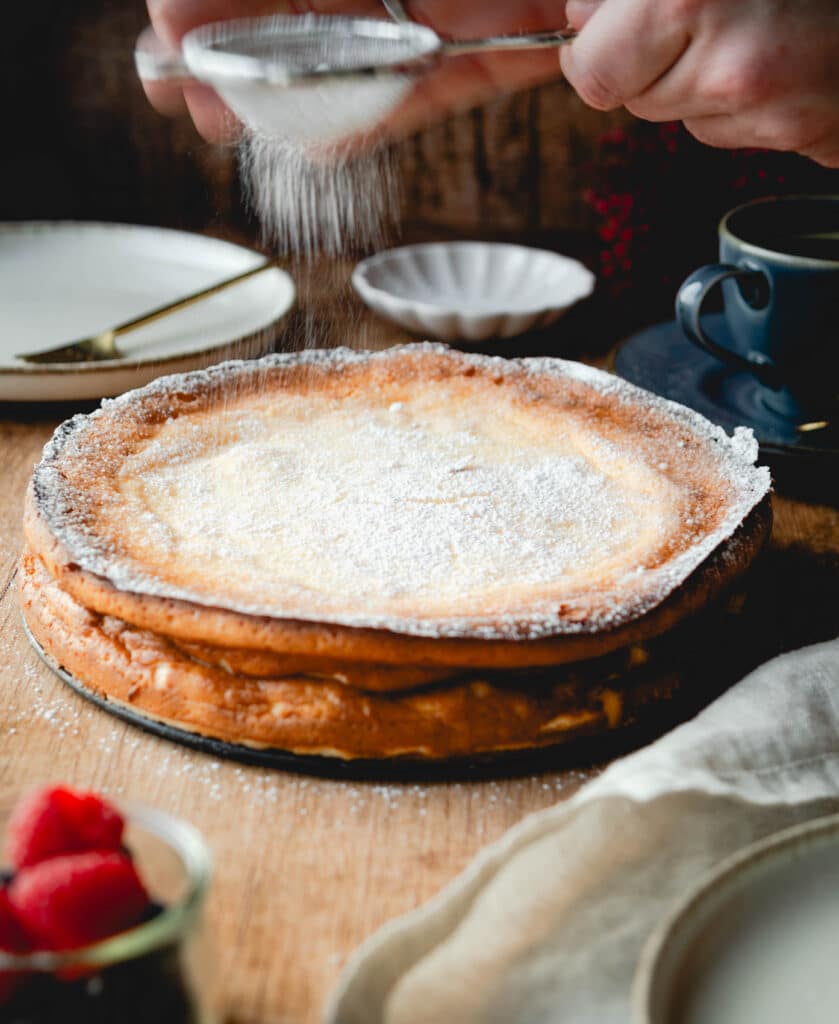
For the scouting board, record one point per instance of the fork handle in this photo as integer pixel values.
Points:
(205, 293)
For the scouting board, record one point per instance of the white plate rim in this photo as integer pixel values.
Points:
(720, 882)
(105, 367)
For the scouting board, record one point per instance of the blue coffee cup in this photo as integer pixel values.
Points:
(779, 272)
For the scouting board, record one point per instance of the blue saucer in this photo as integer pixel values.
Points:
(663, 360)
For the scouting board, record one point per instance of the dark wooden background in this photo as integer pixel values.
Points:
(80, 141)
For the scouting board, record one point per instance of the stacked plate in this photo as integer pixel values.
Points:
(61, 281)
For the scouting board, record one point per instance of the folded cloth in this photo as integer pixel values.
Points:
(547, 924)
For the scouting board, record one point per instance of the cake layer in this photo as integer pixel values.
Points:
(416, 507)
(469, 715)
(260, 644)
(360, 674)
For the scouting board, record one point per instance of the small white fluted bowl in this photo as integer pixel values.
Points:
(471, 291)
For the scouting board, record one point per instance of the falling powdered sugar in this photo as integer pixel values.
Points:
(311, 170)
(323, 201)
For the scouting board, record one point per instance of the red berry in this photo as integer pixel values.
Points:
(78, 898)
(57, 820)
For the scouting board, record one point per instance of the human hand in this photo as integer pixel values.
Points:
(456, 83)
(761, 73)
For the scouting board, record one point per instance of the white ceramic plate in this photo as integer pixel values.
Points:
(60, 281)
(471, 291)
(756, 943)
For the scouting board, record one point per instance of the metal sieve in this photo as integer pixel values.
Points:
(313, 77)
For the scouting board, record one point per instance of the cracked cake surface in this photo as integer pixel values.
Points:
(418, 490)
(413, 553)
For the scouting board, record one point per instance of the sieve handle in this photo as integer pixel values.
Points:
(396, 9)
(533, 41)
(156, 62)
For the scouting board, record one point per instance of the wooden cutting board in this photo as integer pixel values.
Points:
(306, 868)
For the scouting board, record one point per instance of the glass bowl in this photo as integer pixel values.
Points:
(159, 971)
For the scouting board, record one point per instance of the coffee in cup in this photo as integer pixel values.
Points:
(779, 272)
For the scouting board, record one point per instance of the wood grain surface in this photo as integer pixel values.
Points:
(306, 868)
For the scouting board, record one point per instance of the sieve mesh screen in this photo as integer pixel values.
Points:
(312, 45)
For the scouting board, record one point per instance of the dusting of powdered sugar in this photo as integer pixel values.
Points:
(360, 514)
(309, 203)
(310, 168)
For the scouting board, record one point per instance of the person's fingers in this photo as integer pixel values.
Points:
(460, 83)
(722, 71)
(486, 17)
(827, 154)
(810, 132)
(779, 73)
(213, 119)
(165, 97)
(455, 84)
(623, 49)
(578, 12)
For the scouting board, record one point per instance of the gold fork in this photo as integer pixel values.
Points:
(104, 344)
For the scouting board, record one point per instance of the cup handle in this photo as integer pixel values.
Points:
(690, 299)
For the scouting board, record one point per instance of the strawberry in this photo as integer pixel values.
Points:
(57, 820)
(78, 898)
(12, 940)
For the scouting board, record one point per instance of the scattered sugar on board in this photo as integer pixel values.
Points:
(448, 510)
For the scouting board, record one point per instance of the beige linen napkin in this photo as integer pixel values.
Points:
(546, 925)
